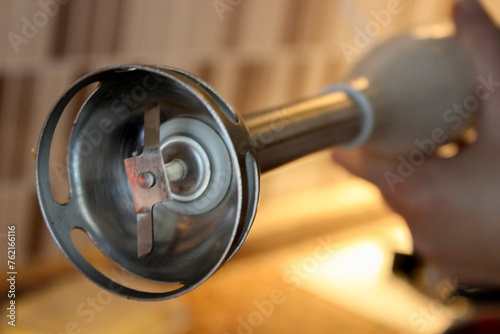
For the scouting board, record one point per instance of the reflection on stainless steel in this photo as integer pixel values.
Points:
(176, 170)
(195, 185)
(206, 159)
(286, 133)
(195, 232)
(148, 180)
(196, 162)
(210, 185)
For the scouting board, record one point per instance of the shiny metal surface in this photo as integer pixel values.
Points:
(283, 134)
(207, 160)
(197, 163)
(176, 170)
(188, 248)
(215, 186)
(205, 215)
(148, 180)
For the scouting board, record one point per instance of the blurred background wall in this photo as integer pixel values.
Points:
(256, 53)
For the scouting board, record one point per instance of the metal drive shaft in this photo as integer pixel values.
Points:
(283, 134)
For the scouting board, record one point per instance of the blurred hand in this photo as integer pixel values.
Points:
(452, 206)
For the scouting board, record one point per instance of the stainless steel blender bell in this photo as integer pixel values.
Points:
(171, 191)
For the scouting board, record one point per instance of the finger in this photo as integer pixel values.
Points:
(407, 188)
(364, 165)
(481, 37)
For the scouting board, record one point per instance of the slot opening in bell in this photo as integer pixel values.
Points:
(193, 233)
(59, 182)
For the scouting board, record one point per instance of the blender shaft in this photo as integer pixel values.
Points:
(286, 133)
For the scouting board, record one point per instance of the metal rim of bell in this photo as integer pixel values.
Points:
(61, 219)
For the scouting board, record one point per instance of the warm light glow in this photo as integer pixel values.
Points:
(448, 151)
(436, 31)
(361, 262)
(358, 276)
